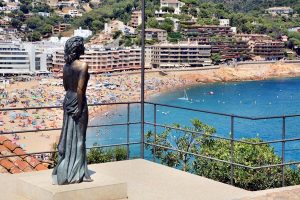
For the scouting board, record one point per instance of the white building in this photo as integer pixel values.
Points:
(85, 33)
(294, 29)
(234, 30)
(21, 58)
(280, 10)
(74, 13)
(224, 22)
(9, 8)
(67, 4)
(44, 14)
(116, 25)
(172, 3)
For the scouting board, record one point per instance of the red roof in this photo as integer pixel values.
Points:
(18, 163)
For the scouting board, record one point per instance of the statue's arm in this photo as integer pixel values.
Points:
(64, 79)
(82, 85)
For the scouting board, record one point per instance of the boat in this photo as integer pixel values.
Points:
(185, 97)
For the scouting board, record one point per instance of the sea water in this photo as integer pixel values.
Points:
(252, 99)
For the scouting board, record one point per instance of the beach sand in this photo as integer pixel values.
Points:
(33, 93)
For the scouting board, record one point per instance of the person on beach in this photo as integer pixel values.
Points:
(72, 162)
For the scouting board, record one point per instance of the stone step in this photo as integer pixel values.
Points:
(39, 186)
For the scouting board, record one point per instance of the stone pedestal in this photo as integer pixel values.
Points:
(38, 186)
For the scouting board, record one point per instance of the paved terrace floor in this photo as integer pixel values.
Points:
(150, 181)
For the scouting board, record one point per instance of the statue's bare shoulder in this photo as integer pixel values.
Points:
(81, 66)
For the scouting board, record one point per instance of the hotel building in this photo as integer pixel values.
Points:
(180, 55)
(21, 58)
(100, 60)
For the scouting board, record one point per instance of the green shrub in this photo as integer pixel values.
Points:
(99, 155)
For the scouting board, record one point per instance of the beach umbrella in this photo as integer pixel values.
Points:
(25, 114)
(12, 115)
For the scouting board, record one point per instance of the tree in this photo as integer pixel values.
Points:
(117, 34)
(25, 7)
(34, 22)
(152, 23)
(97, 25)
(34, 36)
(174, 36)
(185, 9)
(194, 12)
(216, 58)
(188, 139)
(16, 23)
(245, 154)
(46, 29)
(2, 4)
(167, 25)
(183, 140)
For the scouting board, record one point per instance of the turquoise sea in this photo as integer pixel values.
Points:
(253, 99)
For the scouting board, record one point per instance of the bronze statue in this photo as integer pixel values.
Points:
(72, 161)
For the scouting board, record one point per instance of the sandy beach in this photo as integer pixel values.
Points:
(104, 89)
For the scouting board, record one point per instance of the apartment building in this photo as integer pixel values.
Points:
(156, 34)
(263, 46)
(220, 38)
(193, 30)
(180, 55)
(252, 37)
(100, 60)
(21, 58)
(60, 28)
(136, 19)
(269, 49)
(231, 49)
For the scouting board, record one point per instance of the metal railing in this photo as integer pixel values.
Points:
(127, 123)
(232, 139)
(233, 164)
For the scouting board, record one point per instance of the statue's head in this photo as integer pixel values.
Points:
(74, 48)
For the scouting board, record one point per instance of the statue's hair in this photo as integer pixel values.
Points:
(73, 49)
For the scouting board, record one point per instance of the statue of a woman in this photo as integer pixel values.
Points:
(72, 161)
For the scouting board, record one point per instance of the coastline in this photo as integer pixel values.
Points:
(242, 73)
(156, 84)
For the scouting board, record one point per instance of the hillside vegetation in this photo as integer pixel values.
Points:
(249, 5)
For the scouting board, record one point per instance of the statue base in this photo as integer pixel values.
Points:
(38, 185)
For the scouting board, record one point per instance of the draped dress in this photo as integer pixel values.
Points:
(72, 159)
